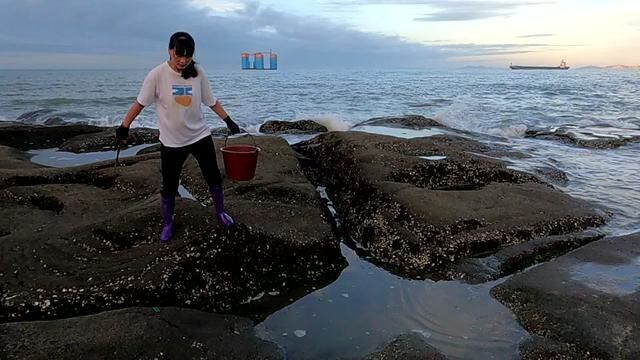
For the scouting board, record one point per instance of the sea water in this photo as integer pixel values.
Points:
(367, 306)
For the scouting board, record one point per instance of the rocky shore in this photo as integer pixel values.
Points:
(79, 253)
(583, 305)
(419, 205)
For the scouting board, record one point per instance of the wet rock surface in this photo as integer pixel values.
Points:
(598, 137)
(279, 194)
(149, 150)
(414, 122)
(552, 175)
(518, 257)
(27, 137)
(419, 205)
(292, 127)
(538, 348)
(106, 140)
(583, 305)
(11, 158)
(71, 138)
(84, 240)
(136, 333)
(407, 347)
(91, 243)
(221, 132)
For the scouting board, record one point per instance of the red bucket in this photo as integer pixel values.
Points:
(240, 161)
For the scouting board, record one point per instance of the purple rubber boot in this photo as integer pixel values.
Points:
(166, 208)
(218, 201)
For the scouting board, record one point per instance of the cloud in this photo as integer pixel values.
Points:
(472, 10)
(138, 31)
(269, 29)
(535, 35)
(475, 50)
(218, 6)
(460, 15)
(121, 34)
(454, 10)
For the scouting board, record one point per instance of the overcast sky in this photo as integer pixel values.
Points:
(321, 33)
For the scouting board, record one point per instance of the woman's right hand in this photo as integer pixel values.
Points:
(122, 134)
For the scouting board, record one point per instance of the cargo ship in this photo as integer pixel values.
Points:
(563, 66)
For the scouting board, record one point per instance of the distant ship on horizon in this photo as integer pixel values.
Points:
(563, 66)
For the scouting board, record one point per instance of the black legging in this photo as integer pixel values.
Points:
(172, 160)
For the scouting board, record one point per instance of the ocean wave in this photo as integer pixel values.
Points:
(63, 101)
(432, 103)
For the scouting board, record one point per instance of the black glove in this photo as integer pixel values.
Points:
(233, 127)
(122, 134)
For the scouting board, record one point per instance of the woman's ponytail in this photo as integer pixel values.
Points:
(190, 71)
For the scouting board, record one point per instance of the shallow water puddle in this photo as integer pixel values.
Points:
(399, 132)
(367, 307)
(55, 158)
(296, 138)
(184, 193)
(611, 279)
(433, 158)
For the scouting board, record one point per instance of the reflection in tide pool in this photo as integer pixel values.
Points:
(400, 132)
(611, 279)
(55, 158)
(367, 307)
(433, 158)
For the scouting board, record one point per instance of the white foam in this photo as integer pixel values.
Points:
(462, 114)
(334, 124)
(105, 121)
(470, 114)
(424, 333)
(142, 121)
(149, 124)
(251, 129)
(513, 131)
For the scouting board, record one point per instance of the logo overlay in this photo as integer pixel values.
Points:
(182, 94)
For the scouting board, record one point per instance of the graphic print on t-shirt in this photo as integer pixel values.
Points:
(182, 94)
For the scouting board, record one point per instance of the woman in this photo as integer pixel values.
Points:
(178, 87)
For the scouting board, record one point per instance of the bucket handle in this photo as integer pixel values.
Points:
(226, 138)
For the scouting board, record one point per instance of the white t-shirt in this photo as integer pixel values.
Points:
(178, 104)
